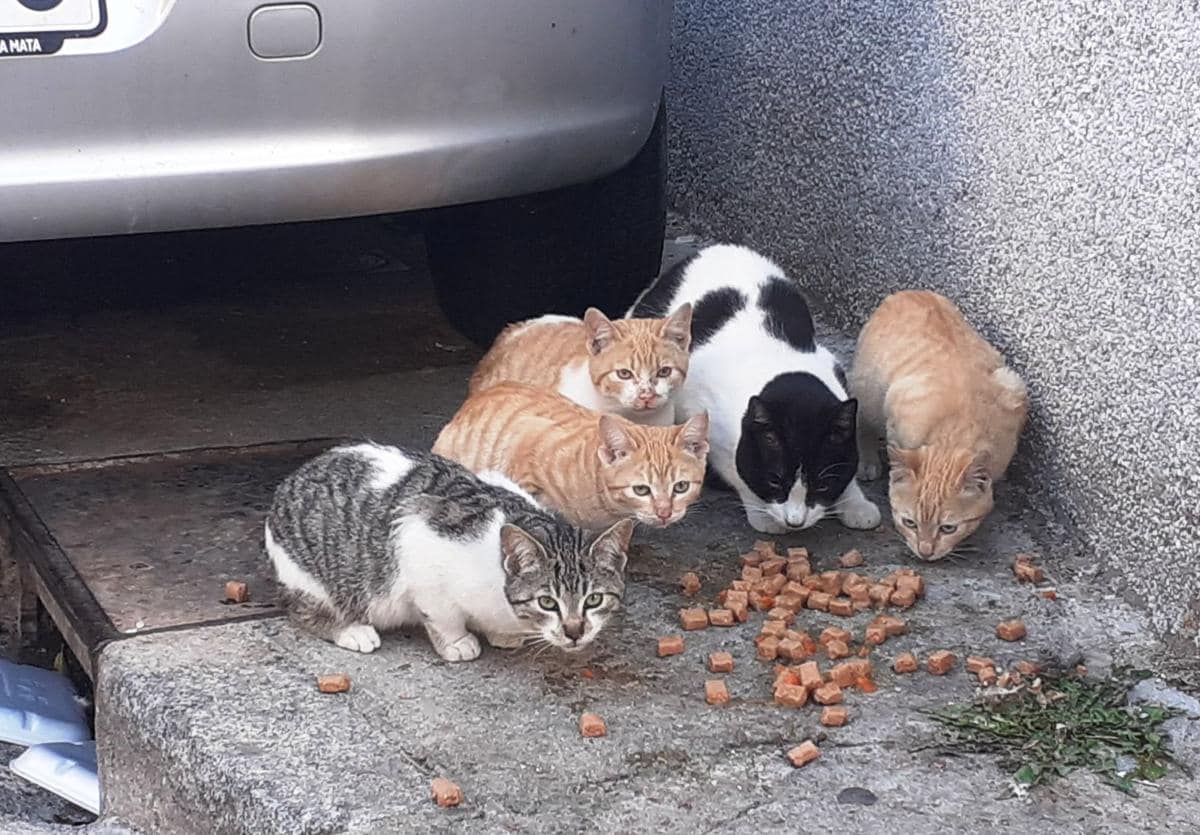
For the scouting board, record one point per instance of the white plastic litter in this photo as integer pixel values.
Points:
(37, 706)
(66, 768)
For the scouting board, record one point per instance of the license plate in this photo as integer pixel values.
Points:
(39, 27)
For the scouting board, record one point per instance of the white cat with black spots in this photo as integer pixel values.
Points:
(782, 427)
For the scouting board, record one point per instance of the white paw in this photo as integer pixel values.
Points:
(465, 648)
(502, 641)
(861, 515)
(868, 471)
(763, 523)
(359, 637)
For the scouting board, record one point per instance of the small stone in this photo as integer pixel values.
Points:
(857, 796)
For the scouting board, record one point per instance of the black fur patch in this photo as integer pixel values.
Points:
(713, 310)
(657, 301)
(796, 428)
(786, 315)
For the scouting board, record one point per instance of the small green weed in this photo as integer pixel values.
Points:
(1065, 724)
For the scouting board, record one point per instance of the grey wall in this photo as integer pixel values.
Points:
(1035, 161)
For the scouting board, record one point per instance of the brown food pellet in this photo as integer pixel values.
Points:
(776, 628)
(1010, 630)
(818, 600)
(715, 692)
(740, 609)
(445, 793)
(791, 695)
(906, 662)
(841, 606)
(834, 716)
(739, 585)
(720, 662)
(987, 676)
(691, 619)
(786, 675)
(798, 569)
(881, 595)
(836, 649)
(592, 726)
(843, 675)
(768, 648)
(670, 645)
(1028, 669)
(761, 602)
(721, 617)
(333, 683)
(786, 616)
(766, 547)
(776, 583)
(236, 591)
(892, 626)
(850, 559)
(975, 663)
(1049, 594)
(911, 582)
(831, 582)
(794, 554)
(903, 598)
(828, 694)
(834, 633)
(792, 650)
(751, 574)
(804, 753)
(875, 634)
(941, 662)
(791, 602)
(773, 567)
(1028, 572)
(810, 675)
(751, 559)
(690, 582)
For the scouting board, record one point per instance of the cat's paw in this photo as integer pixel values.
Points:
(502, 641)
(359, 637)
(861, 515)
(465, 648)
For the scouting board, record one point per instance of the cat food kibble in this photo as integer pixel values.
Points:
(334, 683)
(987, 676)
(794, 554)
(740, 609)
(773, 566)
(720, 662)
(766, 547)
(791, 695)
(670, 645)
(690, 582)
(752, 559)
(1010, 630)
(850, 559)
(843, 675)
(751, 574)
(804, 753)
(592, 726)
(906, 662)
(836, 649)
(721, 617)
(775, 583)
(236, 591)
(791, 650)
(831, 582)
(785, 616)
(715, 692)
(834, 716)
(875, 634)
(691, 619)
(792, 602)
(892, 625)
(975, 663)
(445, 793)
(768, 648)
(880, 594)
(798, 569)
(1025, 570)
(904, 598)
(1028, 669)
(739, 585)
(1049, 594)
(841, 606)
(810, 675)
(761, 602)
(911, 582)
(834, 633)
(818, 600)
(941, 662)
(828, 694)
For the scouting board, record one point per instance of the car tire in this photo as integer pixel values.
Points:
(592, 245)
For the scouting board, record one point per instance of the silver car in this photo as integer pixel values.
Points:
(539, 121)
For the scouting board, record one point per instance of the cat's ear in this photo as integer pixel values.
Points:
(678, 326)
(600, 330)
(612, 546)
(757, 415)
(519, 551)
(693, 436)
(841, 428)
(903, 463)
(615, 441)
(978, 476)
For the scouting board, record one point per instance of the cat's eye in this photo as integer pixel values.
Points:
(548, 603)
(641, 489)
(624, 373)
(593, 600)
(664, 372)
(947, 528)
(681, 486)
(908, 523)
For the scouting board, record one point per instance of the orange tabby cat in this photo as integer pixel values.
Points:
(629, 366)
(595, 469)
(952, 411)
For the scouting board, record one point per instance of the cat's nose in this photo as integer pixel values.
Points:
(925, 549)
(663, 513)
(573, 629)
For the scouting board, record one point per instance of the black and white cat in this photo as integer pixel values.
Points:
(782, 428)
(367, 538)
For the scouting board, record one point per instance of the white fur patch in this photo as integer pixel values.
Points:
(290, 574)
(575, 384)
(548, 319)
(390, 464)
(499, 479)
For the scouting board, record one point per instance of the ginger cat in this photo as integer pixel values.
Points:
(631, 367)
(952, 411)
(595, 469)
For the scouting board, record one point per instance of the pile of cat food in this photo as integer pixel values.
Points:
(780, 586)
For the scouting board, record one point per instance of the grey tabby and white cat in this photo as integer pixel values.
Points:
(369, 537)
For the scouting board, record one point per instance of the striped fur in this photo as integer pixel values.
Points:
(588, 466)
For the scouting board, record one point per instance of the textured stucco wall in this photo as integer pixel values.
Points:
(1035, 161)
